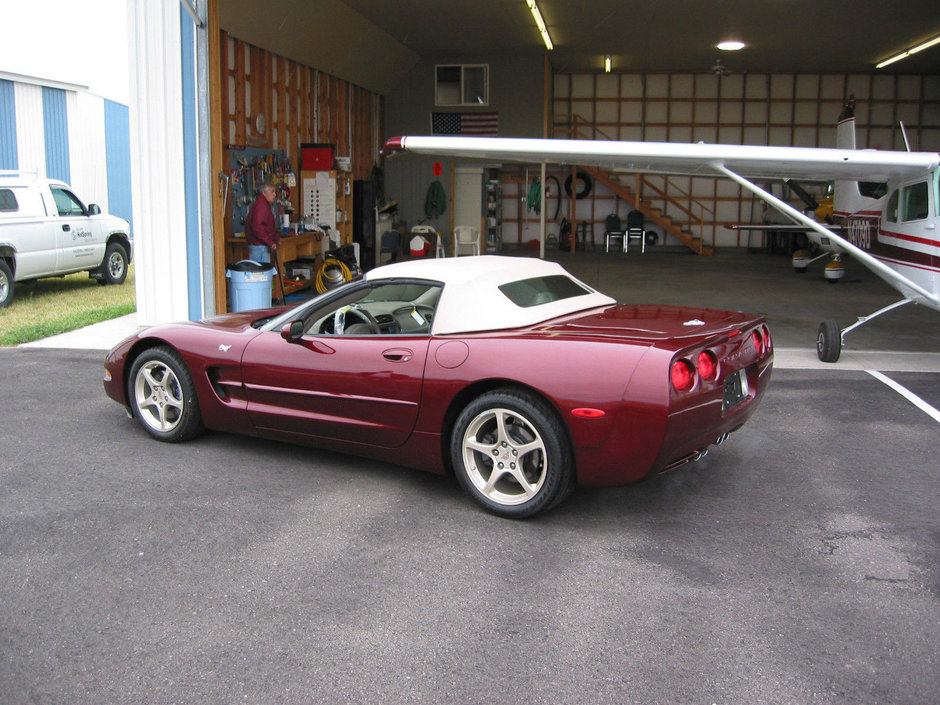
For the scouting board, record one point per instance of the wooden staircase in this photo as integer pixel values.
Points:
(579, 128)
(681, 230)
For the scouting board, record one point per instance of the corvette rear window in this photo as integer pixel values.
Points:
(7, 200)
(542, 290)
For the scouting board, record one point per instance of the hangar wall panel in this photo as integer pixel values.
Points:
(117, 139)
(55, 123)
(763, 109)
(61, 131)
(8, 152)
(87, 152)
(156, 140)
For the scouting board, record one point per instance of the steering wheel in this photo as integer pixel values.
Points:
(341, 319)
(426, 312)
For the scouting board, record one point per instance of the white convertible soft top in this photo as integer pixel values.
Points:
(471, 300)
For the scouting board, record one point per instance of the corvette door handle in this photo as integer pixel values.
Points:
(398, 355)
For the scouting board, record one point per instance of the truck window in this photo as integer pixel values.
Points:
(915, 202)
(67, 203)
(8, 202)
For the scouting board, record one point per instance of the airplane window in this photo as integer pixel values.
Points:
(915, 202)
(891, 212)
(872, 189)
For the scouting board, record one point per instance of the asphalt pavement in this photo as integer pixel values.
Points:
(798, 562)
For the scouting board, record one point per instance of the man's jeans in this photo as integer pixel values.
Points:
(259, 253)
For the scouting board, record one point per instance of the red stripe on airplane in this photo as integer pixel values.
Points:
(912, 238)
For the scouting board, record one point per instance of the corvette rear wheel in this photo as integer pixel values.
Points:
(163, 396)
(511, 453)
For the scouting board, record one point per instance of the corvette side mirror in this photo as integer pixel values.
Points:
(293, 331)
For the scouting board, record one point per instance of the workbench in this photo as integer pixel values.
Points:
(290, 247)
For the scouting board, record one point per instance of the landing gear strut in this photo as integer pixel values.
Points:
(829, 339)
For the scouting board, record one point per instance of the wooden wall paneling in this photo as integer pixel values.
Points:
(225, 86)
(218, 69)
(267, 99)
(241, 81)
(255, 99)
(283, 105)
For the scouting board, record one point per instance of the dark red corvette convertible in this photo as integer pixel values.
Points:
(507, 371)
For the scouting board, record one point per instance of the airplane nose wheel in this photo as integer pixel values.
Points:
(828, 341)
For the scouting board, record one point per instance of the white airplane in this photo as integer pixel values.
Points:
(896, 236)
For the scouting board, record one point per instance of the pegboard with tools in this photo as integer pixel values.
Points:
(250, 167)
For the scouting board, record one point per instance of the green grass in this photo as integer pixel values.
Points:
(45, 307)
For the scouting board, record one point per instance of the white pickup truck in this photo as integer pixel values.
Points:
(46, 231)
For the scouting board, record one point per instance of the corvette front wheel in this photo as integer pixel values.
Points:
(511, 453)
(163, 396)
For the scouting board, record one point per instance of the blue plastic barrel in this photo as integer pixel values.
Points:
(249, 284)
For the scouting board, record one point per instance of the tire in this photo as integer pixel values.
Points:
(163, 397)
(6, 285)
(586, 185)
(828, 341)
(114, 267)
(510, 452)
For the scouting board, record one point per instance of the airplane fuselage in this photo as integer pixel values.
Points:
(901, 229)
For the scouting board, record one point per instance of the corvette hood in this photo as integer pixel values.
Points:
(232, 321)
(650, 323)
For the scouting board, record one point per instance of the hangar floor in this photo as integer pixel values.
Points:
(796, 563)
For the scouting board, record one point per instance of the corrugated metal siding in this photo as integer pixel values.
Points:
(86, 148)
(30, 141)
(55, 120)
(156, 156)
(117, 137)
(8, 153)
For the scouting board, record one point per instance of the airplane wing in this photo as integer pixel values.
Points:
(781, 227)
(740, 163)
(753, 162)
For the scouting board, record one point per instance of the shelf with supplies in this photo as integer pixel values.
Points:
(327, 202)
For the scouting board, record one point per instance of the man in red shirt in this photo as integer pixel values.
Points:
(260, 231)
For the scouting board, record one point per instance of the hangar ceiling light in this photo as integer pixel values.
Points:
(906, 53)
(540, 23)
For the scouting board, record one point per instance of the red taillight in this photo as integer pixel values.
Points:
(682, 375)
(758, 342)
(707, 365)
(767, 341)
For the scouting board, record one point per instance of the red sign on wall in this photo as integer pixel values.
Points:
(438, 168)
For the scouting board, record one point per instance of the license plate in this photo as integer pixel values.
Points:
(735, 389)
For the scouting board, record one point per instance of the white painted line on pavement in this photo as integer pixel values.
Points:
(907, 394)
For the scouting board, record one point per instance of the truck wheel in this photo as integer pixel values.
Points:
(6, 285)
(114, 267)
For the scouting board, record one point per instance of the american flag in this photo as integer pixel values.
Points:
(474, 124)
